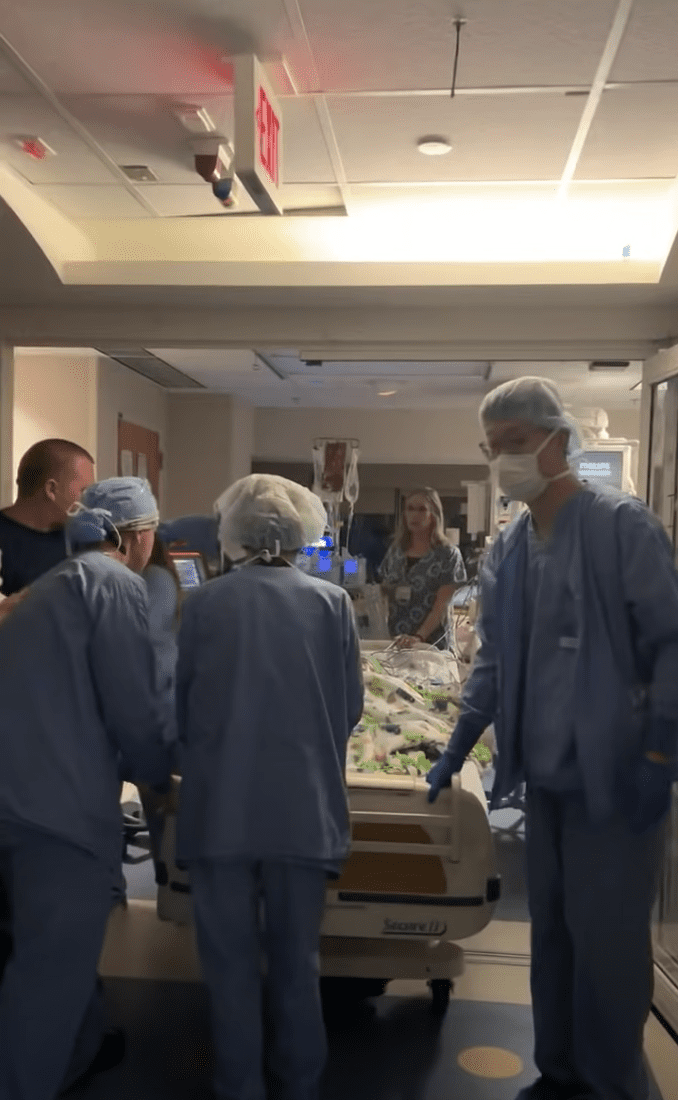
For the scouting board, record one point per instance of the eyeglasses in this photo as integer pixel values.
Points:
(510, 445)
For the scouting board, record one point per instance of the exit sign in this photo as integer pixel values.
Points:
(258, 135)
(268, 125)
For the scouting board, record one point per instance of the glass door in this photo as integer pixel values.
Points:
(661, 495)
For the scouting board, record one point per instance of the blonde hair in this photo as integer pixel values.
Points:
(402, 537)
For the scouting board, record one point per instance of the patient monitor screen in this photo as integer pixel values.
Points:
(601, 467)
(189, 571)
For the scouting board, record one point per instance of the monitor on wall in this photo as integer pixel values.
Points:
(603, 467)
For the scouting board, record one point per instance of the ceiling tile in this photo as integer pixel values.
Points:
(144, 130)
(318, 196)
(11, 81)
(305, 155)
(74, 162)
(649, 49)
(516, 138)
(173, 201)
(410, 43)
(93, 202)
(634, 134)
(172, 48)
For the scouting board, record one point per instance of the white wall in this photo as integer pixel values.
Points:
(625, 423)
(122, 394)
(448, 436)
(209, 447)
(388, 435)
(55, 396)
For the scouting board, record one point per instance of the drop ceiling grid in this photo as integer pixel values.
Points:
(144, 130)
(75, 163)
(634, 134)
(649, 49)
(410, 43)
(493, 139)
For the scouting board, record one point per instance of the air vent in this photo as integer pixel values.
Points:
(609, 364)
(156, 370)
(139, 173)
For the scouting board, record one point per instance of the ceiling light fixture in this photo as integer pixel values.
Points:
(434, 146)
(387, 393)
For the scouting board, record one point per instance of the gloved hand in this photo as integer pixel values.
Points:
(441, 773)
(650, 795)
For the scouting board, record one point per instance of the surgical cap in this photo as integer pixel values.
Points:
(534, 401)
(110, 506)
(263, 511)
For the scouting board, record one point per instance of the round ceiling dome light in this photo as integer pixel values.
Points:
(434, 146)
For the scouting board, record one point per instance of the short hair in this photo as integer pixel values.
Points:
(45, 460)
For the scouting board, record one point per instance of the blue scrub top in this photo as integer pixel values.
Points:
(551, 644)
(80, 702)
(269, 687)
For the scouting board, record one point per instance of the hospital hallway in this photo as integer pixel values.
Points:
(390, 1048)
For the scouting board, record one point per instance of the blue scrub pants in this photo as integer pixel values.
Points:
(227, 898)
(51, 1008)
(591, 889)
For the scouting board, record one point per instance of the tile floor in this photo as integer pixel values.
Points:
(393, 1048)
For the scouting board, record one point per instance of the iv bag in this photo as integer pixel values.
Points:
(352, 486)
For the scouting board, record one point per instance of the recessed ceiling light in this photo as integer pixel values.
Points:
(434, 146)
(387, 393)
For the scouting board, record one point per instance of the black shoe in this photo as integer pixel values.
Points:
(110, 1054)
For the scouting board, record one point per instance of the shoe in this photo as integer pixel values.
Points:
(110, 1054)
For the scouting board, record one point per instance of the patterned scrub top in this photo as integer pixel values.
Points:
(442, 565)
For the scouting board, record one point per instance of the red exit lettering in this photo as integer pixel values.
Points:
(268, 126)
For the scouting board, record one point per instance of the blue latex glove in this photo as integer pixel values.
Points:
(650, 795)
(441, 773)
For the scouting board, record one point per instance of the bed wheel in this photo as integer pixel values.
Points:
(440, 991)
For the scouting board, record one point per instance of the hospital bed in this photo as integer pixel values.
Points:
(420, 877)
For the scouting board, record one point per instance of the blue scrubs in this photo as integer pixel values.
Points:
(579, 652)
(269, 687)
(79, 700)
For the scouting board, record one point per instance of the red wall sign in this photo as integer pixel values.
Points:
(268, 126)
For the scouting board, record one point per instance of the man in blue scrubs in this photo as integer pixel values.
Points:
(577, 671)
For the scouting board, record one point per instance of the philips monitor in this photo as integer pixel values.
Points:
(601, 467)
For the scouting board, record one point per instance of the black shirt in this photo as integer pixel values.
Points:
(27, 553)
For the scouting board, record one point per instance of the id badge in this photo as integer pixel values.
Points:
(403, 593)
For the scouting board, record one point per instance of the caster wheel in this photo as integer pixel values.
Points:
(440, 990)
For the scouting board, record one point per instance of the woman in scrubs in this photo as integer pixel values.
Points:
(269, 687)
